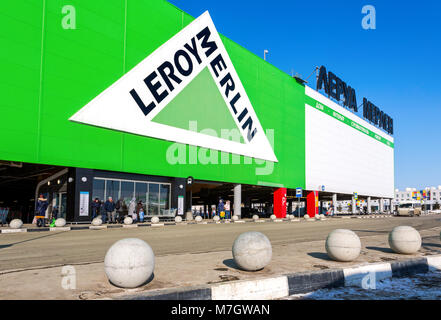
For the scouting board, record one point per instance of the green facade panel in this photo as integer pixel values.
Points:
(49, 73)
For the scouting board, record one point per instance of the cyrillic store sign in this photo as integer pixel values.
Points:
(339, 90)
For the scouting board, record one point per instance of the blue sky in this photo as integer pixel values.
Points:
(396, 66)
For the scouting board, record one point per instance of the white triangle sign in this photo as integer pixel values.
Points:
(130, 104)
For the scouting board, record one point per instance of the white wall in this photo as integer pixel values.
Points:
(342, 158)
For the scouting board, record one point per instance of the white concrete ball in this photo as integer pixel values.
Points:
(97, 222)
(252, 251)
(255, 217)
(129, 263)
(343, 245)
(178, 219)
(60, 222)
(215, 218)
(235, 218)
(291, 217)
(15, 224)
(128, 220)
(273, 217)
(405, 240)
(199, 218)
(306, 216)
(154, 219)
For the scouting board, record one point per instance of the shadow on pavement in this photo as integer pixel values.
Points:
(385, 250)
(230, 263)
(372, 231)
(36, 238)
(320, 255)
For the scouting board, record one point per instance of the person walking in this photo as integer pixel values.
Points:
(139, 210)
(227, 209)
(132, 209)
(40, 214)
(119, 209)
(102, 212)
(96, 204)
(220, 209)
(109, 207)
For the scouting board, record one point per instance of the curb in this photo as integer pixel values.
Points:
(161, 224)
(289, 284)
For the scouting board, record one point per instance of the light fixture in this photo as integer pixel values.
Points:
(48, 183)
(70, 179)
(84, 179)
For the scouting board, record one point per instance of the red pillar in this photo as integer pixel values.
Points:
(280, 203)
(312, 205)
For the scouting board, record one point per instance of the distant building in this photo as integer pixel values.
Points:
(430, 196)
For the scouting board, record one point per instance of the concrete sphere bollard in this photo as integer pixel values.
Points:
(306, 216)
(322, 216)
(215, 218)
(405, 240)
(252, 251)
(60, 222)
(178, 219)
(343, 245)
(128, 220)
(273, 217)
(291, 217)
(235, 218)
(188, 216)
(15, 224)
(129, 263)
(255, 217)
(154, 219)
(97, 222)
(199, 219)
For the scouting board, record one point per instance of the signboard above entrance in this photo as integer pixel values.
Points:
(136, 103)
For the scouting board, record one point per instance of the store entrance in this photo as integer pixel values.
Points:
(203, 199)
(59, 201)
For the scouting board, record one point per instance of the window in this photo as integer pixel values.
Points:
(112, 189)
(99, 187)
(165, 197)
(155, 197)
(127, 193)
(153, 200)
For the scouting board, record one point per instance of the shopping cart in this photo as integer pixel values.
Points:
(3, 215)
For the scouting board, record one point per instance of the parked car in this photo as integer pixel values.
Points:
(409, 209)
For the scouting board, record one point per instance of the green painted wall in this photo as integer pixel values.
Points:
(49, 73)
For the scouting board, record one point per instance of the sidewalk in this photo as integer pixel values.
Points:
(202, 269)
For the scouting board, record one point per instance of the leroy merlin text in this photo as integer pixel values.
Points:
(172, 72)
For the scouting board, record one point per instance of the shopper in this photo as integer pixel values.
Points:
(139, 210)
(40, 214)
(220, 209)
(141, 213)
(96, 204)
(102, 212)
(109, 207)
(119, 209)
(227, 209)
(132, 209)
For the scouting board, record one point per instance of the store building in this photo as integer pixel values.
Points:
(138, 99)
